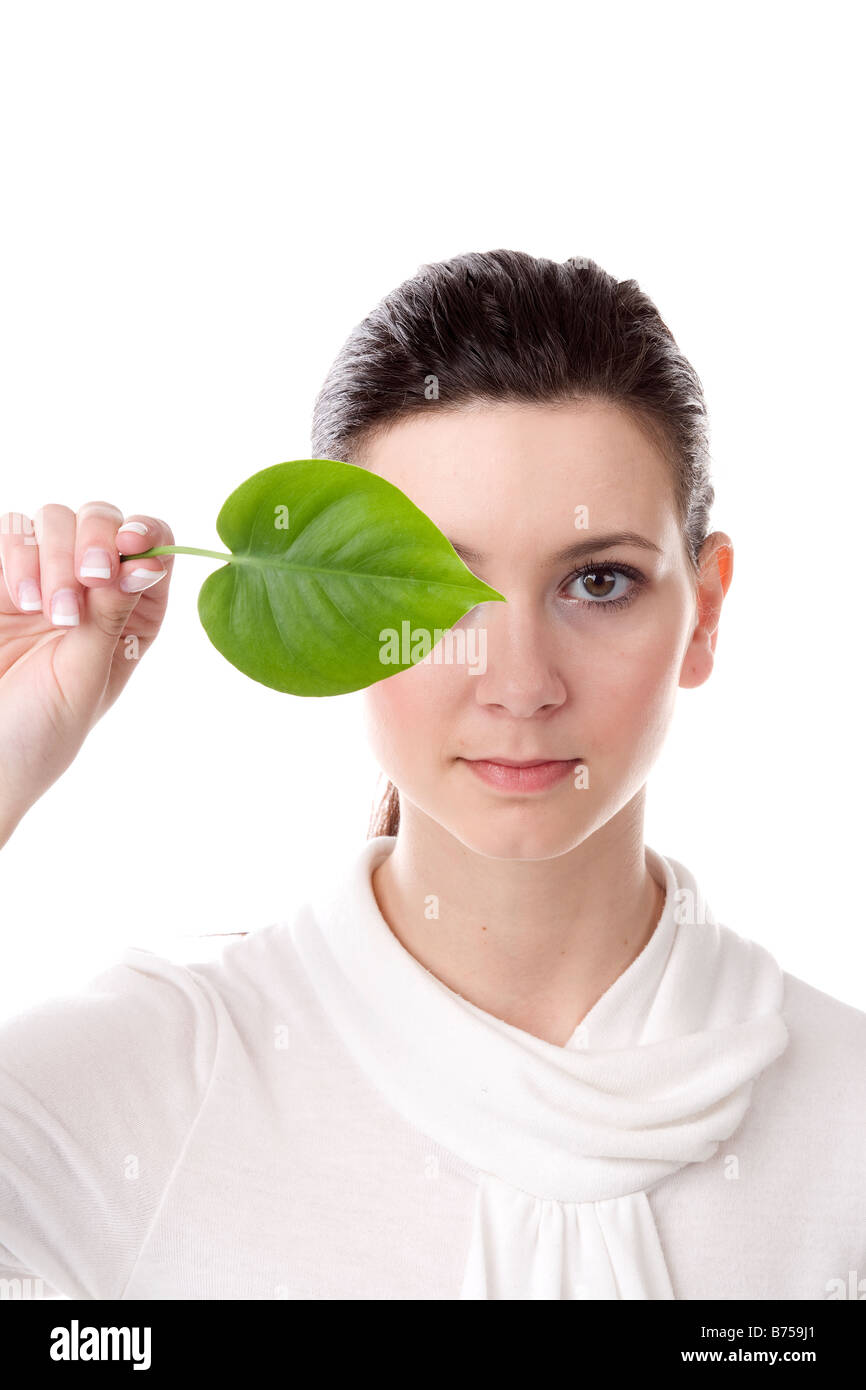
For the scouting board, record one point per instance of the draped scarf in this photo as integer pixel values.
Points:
(566, 1140)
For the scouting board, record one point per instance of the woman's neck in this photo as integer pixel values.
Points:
(533, 942)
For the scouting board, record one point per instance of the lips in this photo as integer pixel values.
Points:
(515, 762)
(534, 775)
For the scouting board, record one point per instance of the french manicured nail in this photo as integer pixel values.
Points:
(64, 608)
(138, 526)
(140, 579)
(95, 564)
(29, 596)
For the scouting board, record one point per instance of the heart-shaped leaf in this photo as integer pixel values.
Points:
(327, 559)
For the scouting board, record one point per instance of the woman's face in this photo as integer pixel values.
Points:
(583, 670)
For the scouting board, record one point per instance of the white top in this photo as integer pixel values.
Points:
(314, 1115)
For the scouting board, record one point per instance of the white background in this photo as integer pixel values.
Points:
(199, 203)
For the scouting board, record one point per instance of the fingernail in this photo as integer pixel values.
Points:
(95, 564)
(140, 579)
(29, 596)
(64, 608)
(138, 526)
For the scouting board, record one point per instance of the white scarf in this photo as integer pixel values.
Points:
(567, 1140)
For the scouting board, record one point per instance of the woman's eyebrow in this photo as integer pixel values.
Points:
(569, 552)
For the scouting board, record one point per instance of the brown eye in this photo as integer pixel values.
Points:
(604, 586)
(600, 583)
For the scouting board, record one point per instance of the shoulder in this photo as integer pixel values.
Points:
(142, 1014)
(820, 1076)
(823, 1030)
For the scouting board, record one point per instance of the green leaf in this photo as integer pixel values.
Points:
(326, 558)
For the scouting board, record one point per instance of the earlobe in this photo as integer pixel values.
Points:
(698, 660)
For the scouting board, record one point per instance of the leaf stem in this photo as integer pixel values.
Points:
(179, 550)
(257, 560)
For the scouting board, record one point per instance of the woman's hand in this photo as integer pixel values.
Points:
(69, 639)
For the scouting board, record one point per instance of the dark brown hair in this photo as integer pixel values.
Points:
(504, 326)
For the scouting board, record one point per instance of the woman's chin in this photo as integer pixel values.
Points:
(517, 841)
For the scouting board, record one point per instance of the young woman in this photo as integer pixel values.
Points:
(506, 1052)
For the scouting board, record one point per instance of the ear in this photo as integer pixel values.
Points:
(716, 569)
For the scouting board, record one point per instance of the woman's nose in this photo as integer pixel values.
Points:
(521, 668)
